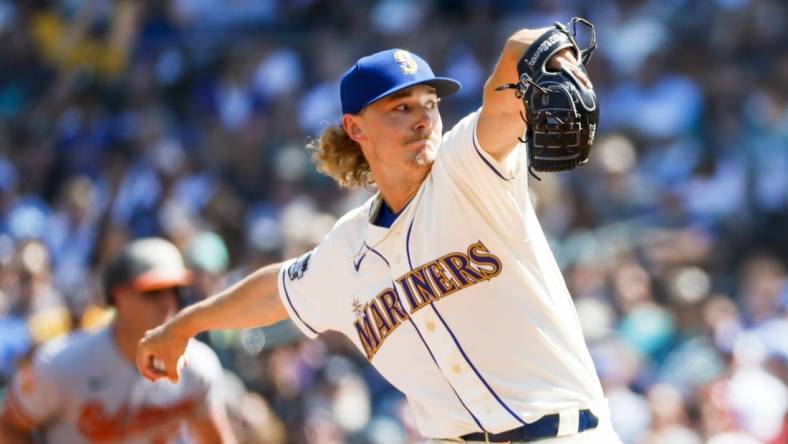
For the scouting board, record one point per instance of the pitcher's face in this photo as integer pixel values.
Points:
(402, 131)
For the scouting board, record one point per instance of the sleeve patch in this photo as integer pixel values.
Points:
(299, 267)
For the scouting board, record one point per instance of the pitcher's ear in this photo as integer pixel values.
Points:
(352, 127)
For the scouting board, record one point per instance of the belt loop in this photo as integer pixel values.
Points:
(486, 437)
(568, 421)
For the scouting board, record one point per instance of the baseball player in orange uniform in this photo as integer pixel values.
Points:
(85, 388)
(443, 279)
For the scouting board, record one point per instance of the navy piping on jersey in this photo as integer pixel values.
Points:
(287, 295)
(476, 147)
(357, 264)
(476, 420)
(456, 342)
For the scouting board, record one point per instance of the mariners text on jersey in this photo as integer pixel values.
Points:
(378, 318)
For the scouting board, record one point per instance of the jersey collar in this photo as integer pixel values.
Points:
(373, 234)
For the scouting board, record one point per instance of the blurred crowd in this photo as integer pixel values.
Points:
(188, 120)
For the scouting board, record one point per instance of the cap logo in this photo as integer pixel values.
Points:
(407, 64)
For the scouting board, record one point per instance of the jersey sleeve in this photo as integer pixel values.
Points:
(464, 172)
(204, 362)
(33, 395)
(465, 160)
(304, 284)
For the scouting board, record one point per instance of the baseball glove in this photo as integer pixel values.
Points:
(561, 112)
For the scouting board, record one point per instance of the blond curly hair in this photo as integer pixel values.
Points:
(340, 157)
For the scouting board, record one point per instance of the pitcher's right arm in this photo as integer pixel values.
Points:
(252, 302)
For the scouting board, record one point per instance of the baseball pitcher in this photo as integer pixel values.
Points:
(443, 279)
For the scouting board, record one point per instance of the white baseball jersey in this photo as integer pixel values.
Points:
(80, 389)
(459, 304)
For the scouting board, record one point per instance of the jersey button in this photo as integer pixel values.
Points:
(430, 326)
(456, 368)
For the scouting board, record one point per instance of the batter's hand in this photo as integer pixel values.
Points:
(160, 354)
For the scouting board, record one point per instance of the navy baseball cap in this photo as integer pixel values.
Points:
(378, 75)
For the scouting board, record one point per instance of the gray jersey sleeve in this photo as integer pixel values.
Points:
(34, 394)
(208, 371)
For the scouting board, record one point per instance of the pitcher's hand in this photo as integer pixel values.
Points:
(160, 353)
(567, 59)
